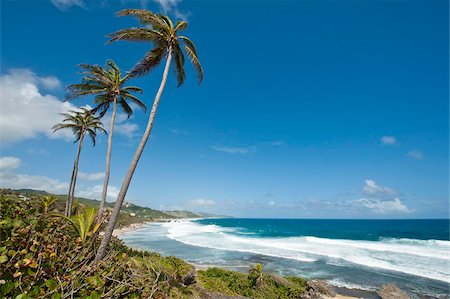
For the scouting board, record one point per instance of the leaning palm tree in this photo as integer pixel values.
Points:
(107, 85)
(163, 35)
(80, 122)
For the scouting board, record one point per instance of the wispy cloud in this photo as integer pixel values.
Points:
(234, 150)
(9, 163)
(95, 192)
(179, 132)
(371, 188)
(388, 140)
(171, 7)
(66, 4)
(416, 154)
(10, 179)
(91, 176)
(202, 202)
(122, 126)
(383, 206)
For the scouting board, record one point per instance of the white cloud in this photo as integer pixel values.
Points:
(388, 140)
(271, 203)
(122, 125)
(66, 4)
(171, 7)
(383, 206)
(234, 150)
(91, 176)
(96, 192)
(415, 154)
(202, 202)
(9, 163)
(27, 113)
(10, 179)
(50, 82)
(371, 188)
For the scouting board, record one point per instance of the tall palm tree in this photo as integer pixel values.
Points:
(107, 85)
(80, 122)
(163, 35)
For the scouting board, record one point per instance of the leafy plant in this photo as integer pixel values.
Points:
(84, 223)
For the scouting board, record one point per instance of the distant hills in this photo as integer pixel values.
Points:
(189, 214)
(131, 209)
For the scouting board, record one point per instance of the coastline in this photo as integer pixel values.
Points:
(341, 292)
(129, 228)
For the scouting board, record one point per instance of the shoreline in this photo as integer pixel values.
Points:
(341, 292)
(129, 228)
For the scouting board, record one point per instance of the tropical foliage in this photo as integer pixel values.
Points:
(80, 123)
(43, 255)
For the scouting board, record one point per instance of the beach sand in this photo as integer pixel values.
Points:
(129, 228)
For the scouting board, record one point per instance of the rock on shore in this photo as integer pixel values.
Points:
(390, 291)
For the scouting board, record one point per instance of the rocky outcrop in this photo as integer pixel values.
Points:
(189, 278)
(390, 291)
(318, 289)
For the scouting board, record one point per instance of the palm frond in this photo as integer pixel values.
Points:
(151, 60)
(135, 100)
(181, 26)
(189, 47)
(145, 17)
(123, 103)
(178, 67)
(136, 35)
(195, 62)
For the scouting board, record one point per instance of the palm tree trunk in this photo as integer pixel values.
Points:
(69, 202)
(126, 183)
(66, 212)
(108, 164)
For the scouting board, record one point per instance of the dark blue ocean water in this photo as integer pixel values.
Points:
(373, 230)
(358, 254)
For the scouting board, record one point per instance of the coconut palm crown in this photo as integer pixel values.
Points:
(163, 34)
(81, 122)
(106, 85)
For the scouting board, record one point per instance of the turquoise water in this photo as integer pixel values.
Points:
(373, 230)
(361, 254)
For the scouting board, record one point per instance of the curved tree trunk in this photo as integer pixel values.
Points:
(73, 182)
(66, 212)
(108, 164)
(126, 183)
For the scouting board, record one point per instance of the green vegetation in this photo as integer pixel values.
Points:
(141, 214)
(255, 284)
(44, 254)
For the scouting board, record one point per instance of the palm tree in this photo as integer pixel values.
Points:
(163, 35)
(80, 122)
(107, 85)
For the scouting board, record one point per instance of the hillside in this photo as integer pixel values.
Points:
(189, 214)
(129, 214)
(129, 208)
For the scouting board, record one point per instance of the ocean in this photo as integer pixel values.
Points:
(354, 254)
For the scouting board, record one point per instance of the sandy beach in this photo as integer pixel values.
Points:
(132, 227)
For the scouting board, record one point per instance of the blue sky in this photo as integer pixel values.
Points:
(309, 109)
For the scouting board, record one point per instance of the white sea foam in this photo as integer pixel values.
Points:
(425, 258)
